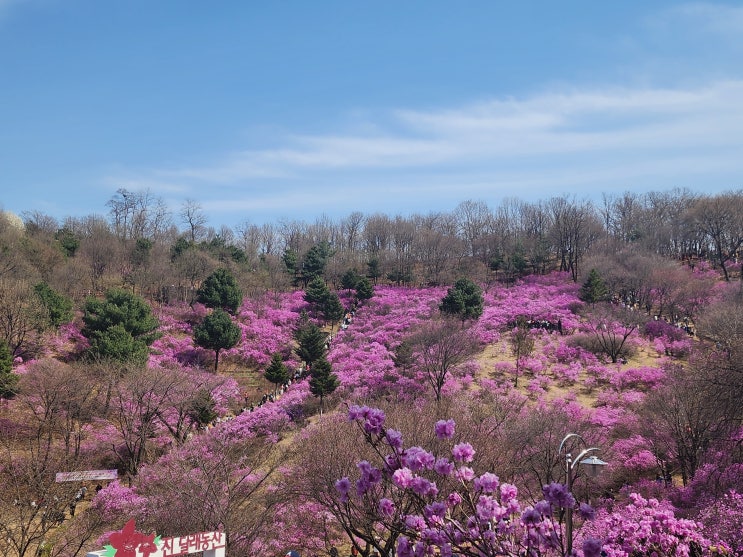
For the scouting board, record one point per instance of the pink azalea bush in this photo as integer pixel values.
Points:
(436, 504)
(722, 519)
(645, 527)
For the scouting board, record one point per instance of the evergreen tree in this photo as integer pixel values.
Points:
(220, 290)
(58, 307)
(518, 259)
(142, 252)
(315, 261)
(594, 289)
(403, 356)
(222, 251)
(311, 344)
(364, 290)
(316, 294)
(291, 263)
(216, 332)
(374, 270)
(303, 323)
(350, 279)
(277, 372)
(463, 300)
(181, 246)
(496, 261)
(323, 381)
(8, 379)
(116, 344)
(332, 309)
(120, 327)
(68, 242)
(401, 276)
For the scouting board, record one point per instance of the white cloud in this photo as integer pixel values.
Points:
(617, 124)
(579, 139)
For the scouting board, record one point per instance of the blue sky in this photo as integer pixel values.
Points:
(263, 111)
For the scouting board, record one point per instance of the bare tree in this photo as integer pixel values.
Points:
(574, 228)
(611, 326)
(352, 227)
(31, 503)
(100, 250)
(474, 220)
(217, 483)
(137, 215)
(722, 323)
(439, 348)
(687, 419)
(720, 218)
(12, 262)
(61, 402)
(193, 217)
(377, 234)
(522, 344)
(22, 316)
(138, 402)
(403, 234)
(435, 251)
(249, 241)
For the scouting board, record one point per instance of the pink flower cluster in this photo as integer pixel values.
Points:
(472, 512)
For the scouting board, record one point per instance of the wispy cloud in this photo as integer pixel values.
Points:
(619, 124)
(582, 139)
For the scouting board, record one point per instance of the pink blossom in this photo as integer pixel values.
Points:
(463, 452)
(444, 429)
(386, 507)
(487, 483)
(403, 477)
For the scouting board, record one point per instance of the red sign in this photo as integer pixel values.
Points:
(129, 542)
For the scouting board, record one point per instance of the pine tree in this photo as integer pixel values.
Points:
(8, 379)
(403, 356)
(116, 344)
(364, 290)
(350, 279)
(594, 289)
(332, 309)
(316, 260)
(311, 344)
(220, 290)
(58, 307)
(120, 327)
(291, 264)
(316, 294)
(323, 381)
(374, 270)
(216, 332)
(202, 408)
(277, 372)
(463, 300)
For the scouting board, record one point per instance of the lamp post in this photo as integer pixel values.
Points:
(593, 464)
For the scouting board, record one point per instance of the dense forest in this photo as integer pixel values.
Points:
(140, 244)
(426, 384)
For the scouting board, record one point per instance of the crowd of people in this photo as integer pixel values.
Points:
(531, 323)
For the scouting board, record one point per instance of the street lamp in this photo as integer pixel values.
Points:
(593, 466)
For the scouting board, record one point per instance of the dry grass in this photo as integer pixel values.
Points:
(500, 352)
